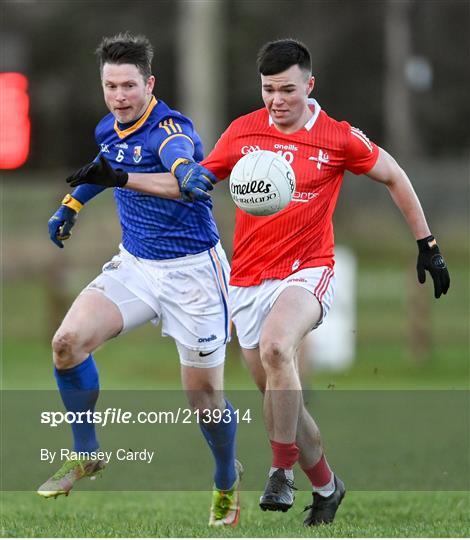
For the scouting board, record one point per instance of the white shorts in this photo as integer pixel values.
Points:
(251, 305)
(189, 295)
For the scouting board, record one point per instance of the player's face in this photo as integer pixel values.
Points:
(286, 97)
(126, 92)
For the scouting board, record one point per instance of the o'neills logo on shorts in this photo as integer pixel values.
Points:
(255, 186)
(207, 339)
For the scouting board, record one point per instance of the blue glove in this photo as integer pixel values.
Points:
(194, 181)
(63, 220)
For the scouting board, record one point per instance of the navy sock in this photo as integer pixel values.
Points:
(221, 438)
(79, 388)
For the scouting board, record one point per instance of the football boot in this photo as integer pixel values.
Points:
(278, 494)
(64, 479)
(323, 509)
(225, 509)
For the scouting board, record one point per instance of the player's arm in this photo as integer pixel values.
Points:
(102, 175)
(166, 185)
(176, 152)
(193, 178)
(62, 221)
(194, 184)
(162, 185)
(387, 171)
(175, 149)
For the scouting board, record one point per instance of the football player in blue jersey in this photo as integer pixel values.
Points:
(170, 269)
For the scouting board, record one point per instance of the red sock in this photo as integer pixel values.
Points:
(285, 455)
(320, 474)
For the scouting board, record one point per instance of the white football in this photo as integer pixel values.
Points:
(262, 183)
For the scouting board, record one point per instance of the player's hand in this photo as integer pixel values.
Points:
(99, 172)
(430, 259)
(61, 224)
(194, 181)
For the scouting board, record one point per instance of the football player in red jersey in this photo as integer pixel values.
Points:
(282, 278)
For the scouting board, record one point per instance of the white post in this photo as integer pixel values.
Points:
(332, 346)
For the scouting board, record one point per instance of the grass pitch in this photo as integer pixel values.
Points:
(142, 360)
(185, 514)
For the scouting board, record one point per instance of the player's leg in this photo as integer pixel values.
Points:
(307, 436)
(293, 314)
(327, 489)
(204, 389)
(103, 310)
(195, 313)
(217, 421)
(253, 362)
(91, 320)
(249, 307)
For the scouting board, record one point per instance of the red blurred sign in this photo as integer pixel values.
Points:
(15, 126)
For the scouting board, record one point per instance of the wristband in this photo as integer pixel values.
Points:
(179, 161)
(72, 203)
(427, 243)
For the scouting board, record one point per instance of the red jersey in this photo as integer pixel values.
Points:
(300, 235)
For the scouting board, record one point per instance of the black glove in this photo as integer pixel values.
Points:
(430, 259)
(100, 173)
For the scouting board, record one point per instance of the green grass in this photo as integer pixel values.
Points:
(185, 514)
(143, 360)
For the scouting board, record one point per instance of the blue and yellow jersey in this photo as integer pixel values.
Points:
(152, 227)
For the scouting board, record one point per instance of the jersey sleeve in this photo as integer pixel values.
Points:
(218, 161)
(174, 140)
(361, 153)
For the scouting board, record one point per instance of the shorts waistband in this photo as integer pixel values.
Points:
(187, 260)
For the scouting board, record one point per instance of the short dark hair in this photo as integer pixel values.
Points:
(126, 49)
(277, 56)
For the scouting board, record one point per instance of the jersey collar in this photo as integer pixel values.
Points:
(122, 133)
(313, 103)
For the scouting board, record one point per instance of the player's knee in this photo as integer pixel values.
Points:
(206, 401)
(65, 348)
(274, 354)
